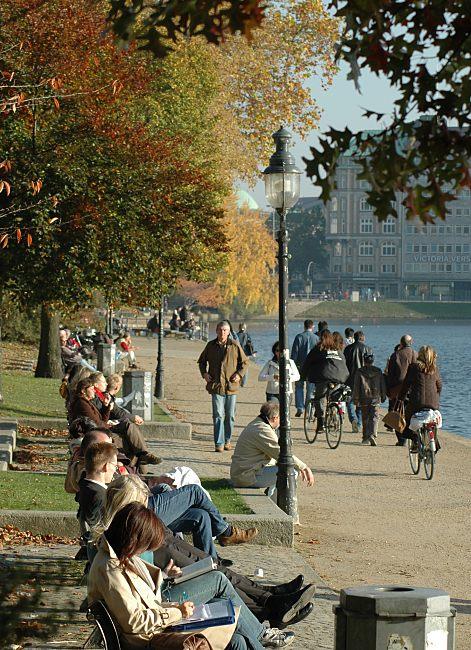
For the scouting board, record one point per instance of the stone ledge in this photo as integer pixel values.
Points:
(6, 452)
(275, 527)
(174, 430)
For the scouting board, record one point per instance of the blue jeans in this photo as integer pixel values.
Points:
(266, 478)
(186, 510)
(354, 413)
(299, 399)
(215, 586)
(223, 418)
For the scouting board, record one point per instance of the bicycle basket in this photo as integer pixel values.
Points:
(340, 393)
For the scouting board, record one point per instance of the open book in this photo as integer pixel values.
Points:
(196, 569)
(220, 612)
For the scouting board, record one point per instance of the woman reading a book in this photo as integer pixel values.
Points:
(131, 590)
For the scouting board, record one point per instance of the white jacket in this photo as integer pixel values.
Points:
(270, 369)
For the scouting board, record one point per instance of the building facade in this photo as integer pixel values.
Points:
(395, 258)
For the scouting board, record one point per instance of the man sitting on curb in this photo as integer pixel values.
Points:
(257, 450)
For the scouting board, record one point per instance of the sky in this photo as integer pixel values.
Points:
(342, 105)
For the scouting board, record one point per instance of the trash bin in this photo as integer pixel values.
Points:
(106, 358)
(138, 393)
(392, 617)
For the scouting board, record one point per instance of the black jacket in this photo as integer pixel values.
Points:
(91, 498)
(354, 354)
(324, 365)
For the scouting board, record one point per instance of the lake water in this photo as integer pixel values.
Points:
(450, 339)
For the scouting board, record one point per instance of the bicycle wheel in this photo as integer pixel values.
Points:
(333, 426)
(429, 459)
(310, 423)
(414, 459)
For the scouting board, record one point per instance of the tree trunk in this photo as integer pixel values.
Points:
(49, 357)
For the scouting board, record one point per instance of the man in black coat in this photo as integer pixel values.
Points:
(354, 356)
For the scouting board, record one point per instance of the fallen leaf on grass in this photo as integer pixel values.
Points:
(313, 541)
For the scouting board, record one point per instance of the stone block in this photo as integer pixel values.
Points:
(166, 430)
(6, 452)
(3, 466)
(8, 438)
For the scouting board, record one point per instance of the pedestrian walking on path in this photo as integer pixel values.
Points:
(271, 374)
(354, 357)
(302, 345)
(246, 344)
(369, 390)
(398, 365)
(222, 365)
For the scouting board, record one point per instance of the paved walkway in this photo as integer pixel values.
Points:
(56, 576)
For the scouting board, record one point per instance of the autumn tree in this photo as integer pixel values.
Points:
(423, 49)
(246, 281)
(134, 213)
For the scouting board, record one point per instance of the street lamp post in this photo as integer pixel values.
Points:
(159, 391)
(282, 180)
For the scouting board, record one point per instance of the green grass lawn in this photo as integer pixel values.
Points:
(28, 397)
(345, 310)
(28, 491)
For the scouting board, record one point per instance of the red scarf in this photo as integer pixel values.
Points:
(99, 394)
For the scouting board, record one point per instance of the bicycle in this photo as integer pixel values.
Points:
(426, 450)
(334, 414)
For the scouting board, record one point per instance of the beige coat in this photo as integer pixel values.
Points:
(132, 595)
(256, 448)
(221, 362)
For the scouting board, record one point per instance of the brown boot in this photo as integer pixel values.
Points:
(238, 536)
(219, 449)
(228, 446)
(147, 458)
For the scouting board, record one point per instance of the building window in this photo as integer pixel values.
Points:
(424, 248)
(333, 225)
(343, 226)
(366, 225)
(458, 230)
(334, 204)
(388, 249)
(433, 230)
(462, 212)
(388, 268)
(465, 230)
(441, 230)
(365, 206)
(465, 193)
(409, 229)
(366, 249)
(337, 268)
(343, 204)
(389, 226)
(349, 250)
(449, 248)
(365, 268)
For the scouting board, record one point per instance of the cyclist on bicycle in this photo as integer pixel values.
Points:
(325, 365)
(424, 385)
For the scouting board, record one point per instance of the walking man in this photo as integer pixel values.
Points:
(369, 390)
(354, 357)
(398, 366)
(302, 345)
(222, 365)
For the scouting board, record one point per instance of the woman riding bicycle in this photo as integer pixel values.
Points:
(424, 385)
(325, 365)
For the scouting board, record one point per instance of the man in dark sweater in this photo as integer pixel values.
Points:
(354, 357)
(101, 463)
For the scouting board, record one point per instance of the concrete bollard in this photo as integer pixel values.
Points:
(138, 393)
(106, 358)
(392, 617)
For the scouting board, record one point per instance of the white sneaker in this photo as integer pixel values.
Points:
(275, 638)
